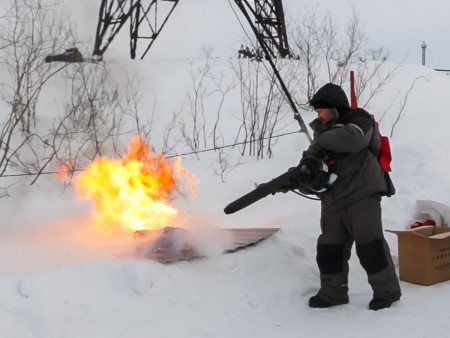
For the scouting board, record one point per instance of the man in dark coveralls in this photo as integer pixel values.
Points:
(350, 210)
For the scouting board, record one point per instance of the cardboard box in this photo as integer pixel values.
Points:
(424, 254)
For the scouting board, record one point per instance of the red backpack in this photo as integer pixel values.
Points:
(385, 156)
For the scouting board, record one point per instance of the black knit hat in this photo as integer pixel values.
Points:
(330, 96)
(322, 104)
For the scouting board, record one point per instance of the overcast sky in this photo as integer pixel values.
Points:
(400, 26)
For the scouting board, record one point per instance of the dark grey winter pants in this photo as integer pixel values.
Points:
(358, 222)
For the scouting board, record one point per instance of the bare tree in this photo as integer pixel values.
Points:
(170, 138)
(224, 165)
(143, 122)
(403, 104)
(92, 117)
(196, 96)
(222, 88)
(318, 40)
(200, 114)
(29, 33)
(263, 108)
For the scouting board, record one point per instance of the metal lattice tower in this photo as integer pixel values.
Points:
(143, 16)
(269, 20)
(268, 25)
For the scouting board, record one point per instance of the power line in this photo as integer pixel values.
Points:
(169, 156)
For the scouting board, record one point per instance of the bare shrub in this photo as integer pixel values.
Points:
(29, 33)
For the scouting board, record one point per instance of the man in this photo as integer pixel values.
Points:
(350, 209)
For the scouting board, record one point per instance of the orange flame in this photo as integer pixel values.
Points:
(134, 192)
(64, 171)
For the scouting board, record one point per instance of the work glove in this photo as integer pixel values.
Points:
(313, 175)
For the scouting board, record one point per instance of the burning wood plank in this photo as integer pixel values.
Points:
(171, 244)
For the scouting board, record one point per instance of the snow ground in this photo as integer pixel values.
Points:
(59, 279)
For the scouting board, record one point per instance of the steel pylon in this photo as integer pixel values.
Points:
(146, 19)
(268, 24)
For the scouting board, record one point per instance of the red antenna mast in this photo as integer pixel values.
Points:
(353, 99)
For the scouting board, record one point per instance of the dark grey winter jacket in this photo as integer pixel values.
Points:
(355, 152)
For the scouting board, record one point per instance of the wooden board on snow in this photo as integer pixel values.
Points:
(171, 244)
(247, 236)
